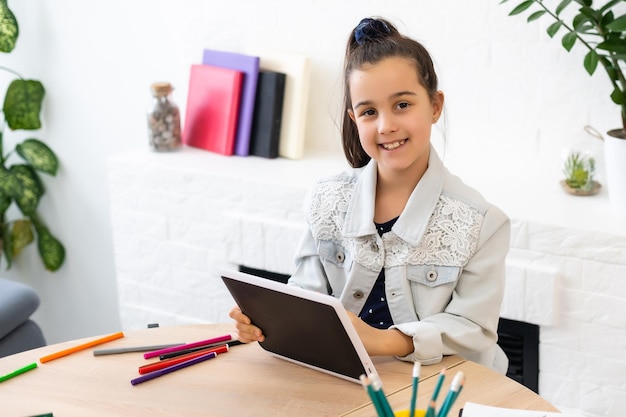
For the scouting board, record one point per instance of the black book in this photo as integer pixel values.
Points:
(268, 110)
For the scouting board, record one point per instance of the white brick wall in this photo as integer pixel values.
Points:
(178, 217)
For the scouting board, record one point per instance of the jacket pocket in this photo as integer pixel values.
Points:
(432, 287)
(433, 275)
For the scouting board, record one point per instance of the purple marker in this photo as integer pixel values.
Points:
(161, 372)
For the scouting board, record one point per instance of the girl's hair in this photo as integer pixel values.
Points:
(371, 41)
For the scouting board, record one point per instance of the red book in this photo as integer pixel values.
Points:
(212, 108)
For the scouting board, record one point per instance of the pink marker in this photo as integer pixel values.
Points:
(160, 352)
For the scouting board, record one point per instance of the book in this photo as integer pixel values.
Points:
(295, 102)
(249, 66)
(268, 108)
(212, 108)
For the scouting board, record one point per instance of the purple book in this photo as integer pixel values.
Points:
(249, 65)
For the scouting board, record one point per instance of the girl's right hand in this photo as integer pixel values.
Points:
(246, 331)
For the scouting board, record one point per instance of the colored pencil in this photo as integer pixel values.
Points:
(18, 372)
(159, 352)
(430, 411)
(370, 391)
(80, 347)
(164, 371)
(377, 384)
(416, 377)
(457, 383)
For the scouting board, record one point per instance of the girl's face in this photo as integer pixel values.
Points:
(393, 114)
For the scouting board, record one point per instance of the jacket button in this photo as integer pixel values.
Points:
(340, 257)
(431, 275)
(358, 295)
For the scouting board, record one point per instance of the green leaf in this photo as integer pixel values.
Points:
(9, 185)
(562, 6)
(31, 188)
(554, 28)
(39, 155)
(9, 29)
(614, 45)
(521, 7)
(569, 40)
(591, 62)
(22, 104)
(536, 15)
(51, 250)
(618, 25)
(618, 97)
(21, 236)
(5, 202)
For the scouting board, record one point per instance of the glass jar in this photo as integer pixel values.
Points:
(163, 119)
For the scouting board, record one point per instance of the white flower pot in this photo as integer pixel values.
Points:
(615, 169)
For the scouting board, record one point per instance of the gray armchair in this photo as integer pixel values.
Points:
(17, 331)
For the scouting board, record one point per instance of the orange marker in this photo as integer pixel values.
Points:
(84, 346)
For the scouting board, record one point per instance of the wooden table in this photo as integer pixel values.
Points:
(246, 381)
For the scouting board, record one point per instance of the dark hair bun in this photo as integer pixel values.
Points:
(370, 29)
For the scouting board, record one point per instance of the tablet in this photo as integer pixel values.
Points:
(301, 326)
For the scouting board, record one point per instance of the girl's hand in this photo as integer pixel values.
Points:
(246, 331)
(381, 342)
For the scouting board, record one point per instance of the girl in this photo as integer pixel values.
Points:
(414, 254)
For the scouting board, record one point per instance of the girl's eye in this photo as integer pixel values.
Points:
(403, 105)
(369, 112)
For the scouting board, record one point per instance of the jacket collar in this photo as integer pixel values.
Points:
(412, 223)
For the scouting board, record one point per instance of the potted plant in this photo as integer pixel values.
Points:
(579, 170)
(602, 31)
(19, 181)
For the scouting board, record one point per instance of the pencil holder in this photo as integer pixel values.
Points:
(405, 413)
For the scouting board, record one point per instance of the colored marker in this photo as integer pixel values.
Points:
(416, 377)
(186, 351)
(456, 385)
(83, 346)
(18, 372)
(172, 368)
(145, 369)
(159, 352)
(100, 352)
(430, 411)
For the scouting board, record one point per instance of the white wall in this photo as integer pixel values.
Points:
(515, 99)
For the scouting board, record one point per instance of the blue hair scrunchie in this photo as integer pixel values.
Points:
(369, 29)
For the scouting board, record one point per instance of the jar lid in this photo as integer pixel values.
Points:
(161, 88)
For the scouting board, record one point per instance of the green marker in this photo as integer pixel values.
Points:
(18, 372)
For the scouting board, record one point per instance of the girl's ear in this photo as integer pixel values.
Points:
(351, 114)
(437, 105)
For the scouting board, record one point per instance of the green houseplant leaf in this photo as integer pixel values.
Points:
(22, 104)
(8, 28)
(51, 250)
(30, 188)
(39, 155)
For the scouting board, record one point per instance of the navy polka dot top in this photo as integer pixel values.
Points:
(375, 312)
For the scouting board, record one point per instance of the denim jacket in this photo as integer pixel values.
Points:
(443, 259)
